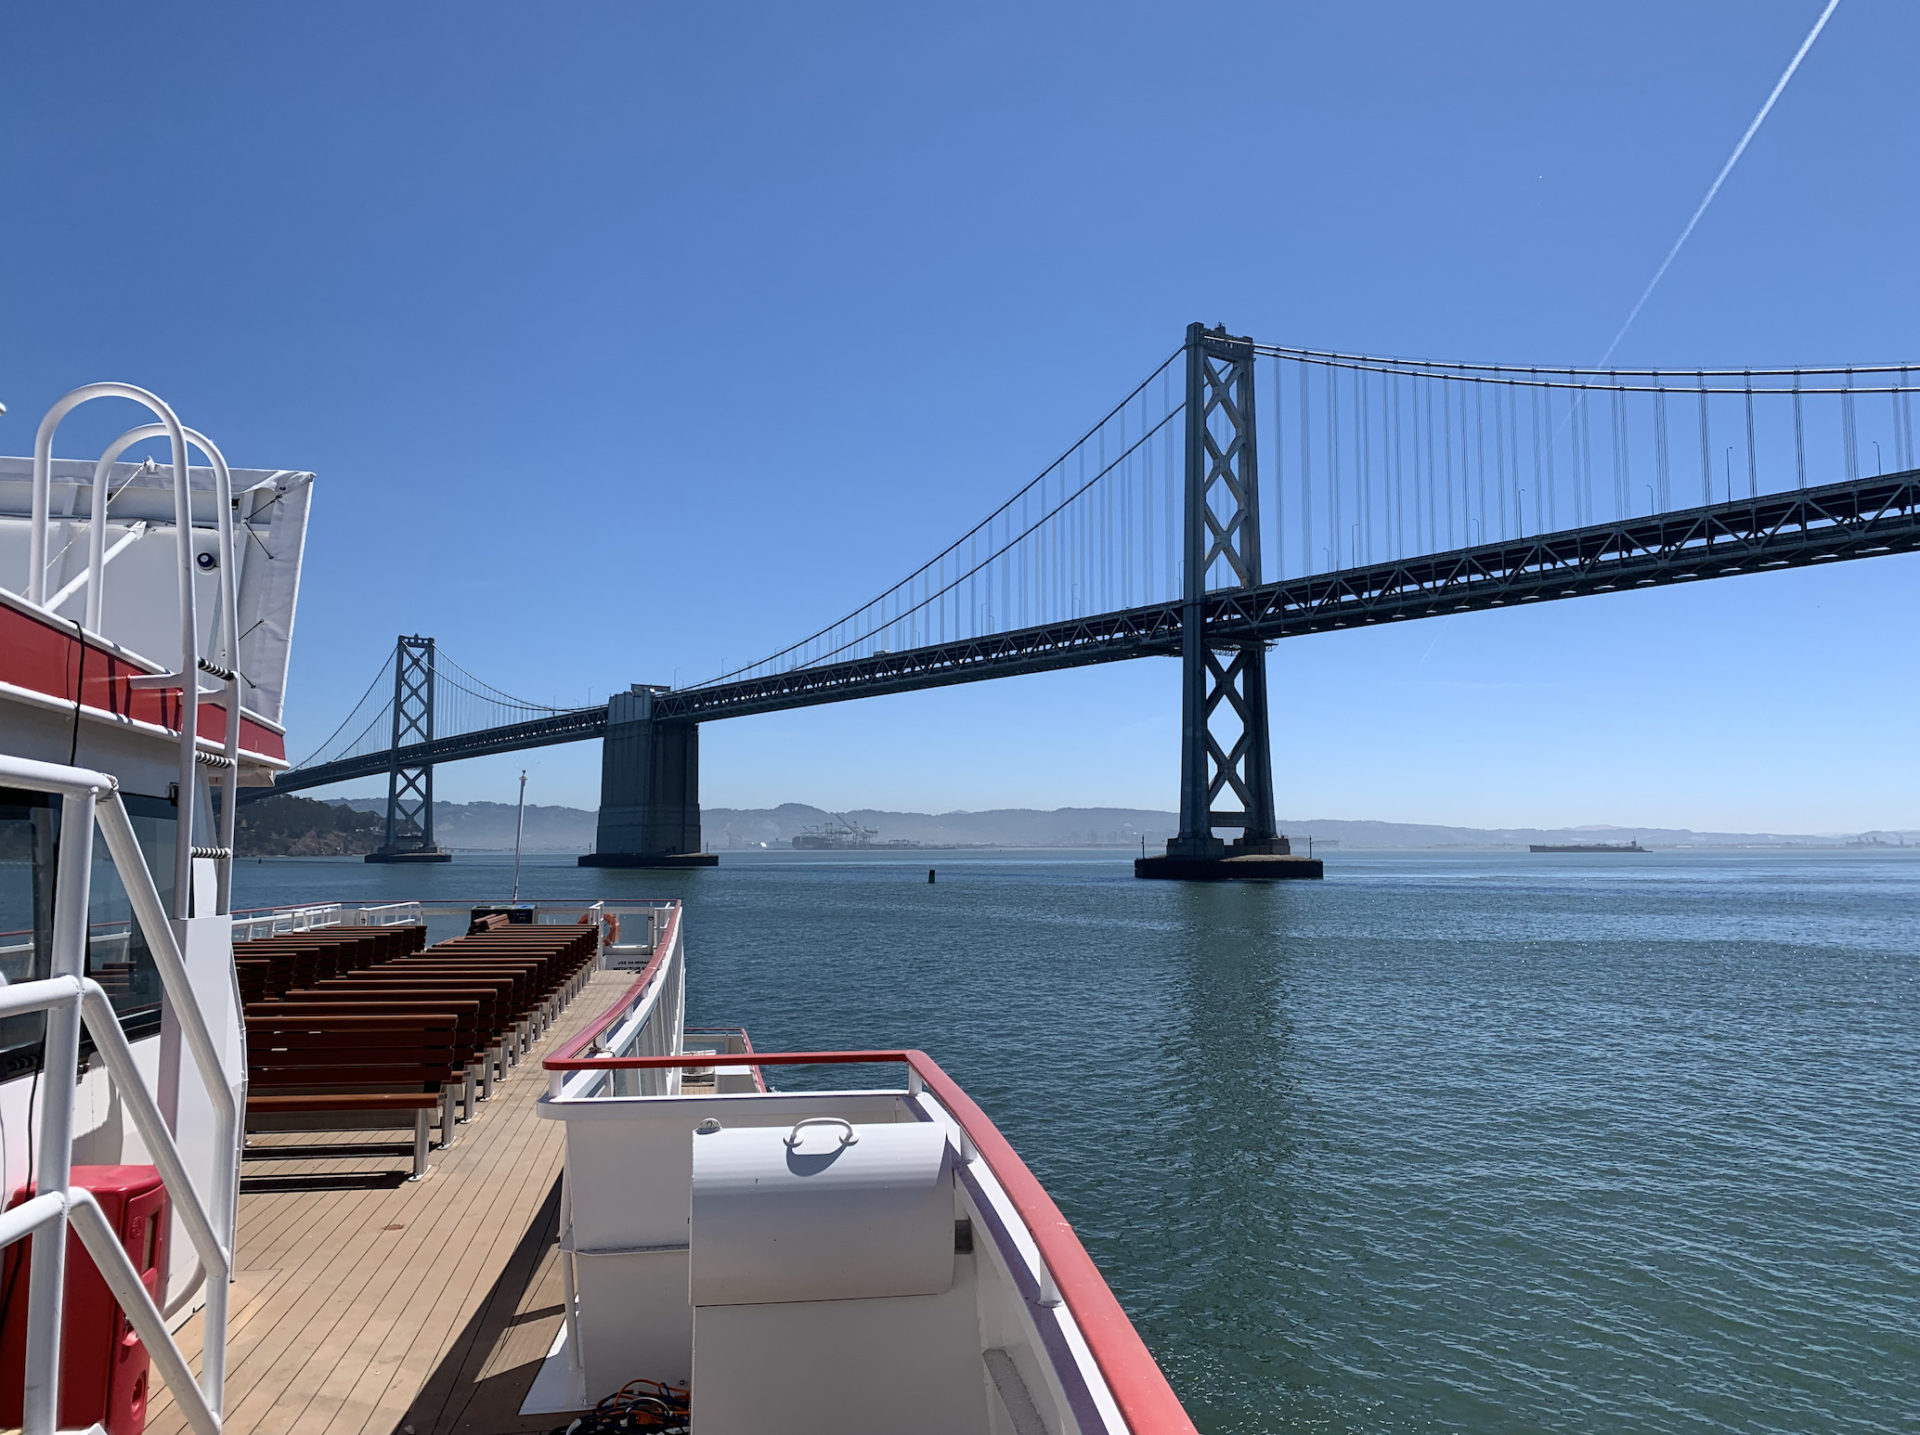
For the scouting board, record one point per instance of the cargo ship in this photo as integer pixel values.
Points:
(429, 1167)
(1585, 847)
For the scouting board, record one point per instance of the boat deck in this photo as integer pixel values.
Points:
(364, 1302)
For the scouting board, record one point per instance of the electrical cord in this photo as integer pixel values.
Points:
(640, 1407)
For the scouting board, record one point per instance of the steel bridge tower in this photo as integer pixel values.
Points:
(410, 787)
(1225, 748)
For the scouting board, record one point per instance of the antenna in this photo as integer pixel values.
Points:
(519, 827)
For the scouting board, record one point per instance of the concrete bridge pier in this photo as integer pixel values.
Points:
(649, 788)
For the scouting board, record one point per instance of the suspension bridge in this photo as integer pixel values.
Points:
(1394, 489)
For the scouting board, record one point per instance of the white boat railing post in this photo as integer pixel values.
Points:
(221, 1202)
(60, 1061)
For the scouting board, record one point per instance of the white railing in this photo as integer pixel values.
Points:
(252, 925)
(70, 1001)
(274, 921)
(192, 663)
(389, 914)
(648, 1020)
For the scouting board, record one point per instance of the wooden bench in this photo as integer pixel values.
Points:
(268, 966)
(360, 1072)
(471, 1033)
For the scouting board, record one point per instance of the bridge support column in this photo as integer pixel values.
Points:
(410, 789)
(1225, 750)
(649, 789)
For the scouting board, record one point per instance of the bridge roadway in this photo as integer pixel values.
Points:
(1862, 518)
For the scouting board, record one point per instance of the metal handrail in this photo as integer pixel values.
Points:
(70, 999)
(191, 667)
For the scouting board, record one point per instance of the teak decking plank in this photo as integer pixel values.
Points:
(344, 1323)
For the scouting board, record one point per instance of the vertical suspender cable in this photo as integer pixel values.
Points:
(1538, 485)
(1846, 419)
(1899, 443)
(1660, 445)
(1753, 460)
(1799, 437)
(1903, 417)
(1363, 417)
(1580, 514)
(1109, 527)
(1706, 446)
(1433, 531)
(1146, 507)
(1126, 521)
(1480, 453)
(1306, 474)
(1398, 536)
(1333, 466)
(1620, 459)
(1584, 472)
(1502, 507)
(1513, 451)
(1170, 480)
(1279, 486)
(1446, 446)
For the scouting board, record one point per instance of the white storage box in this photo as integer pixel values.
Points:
(824, 1210)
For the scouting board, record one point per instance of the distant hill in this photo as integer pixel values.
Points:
(290, 826)
(488, 827)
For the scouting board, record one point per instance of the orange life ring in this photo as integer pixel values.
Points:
(613, 927)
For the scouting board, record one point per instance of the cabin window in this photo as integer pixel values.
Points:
(117, 954)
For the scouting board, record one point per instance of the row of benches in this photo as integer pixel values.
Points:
(271, 966)
(367, 1030)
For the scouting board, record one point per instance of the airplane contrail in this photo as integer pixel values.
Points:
(1721, 178)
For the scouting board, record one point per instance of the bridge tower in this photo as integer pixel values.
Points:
(649, 788)
(410, 787)
(1225, 748)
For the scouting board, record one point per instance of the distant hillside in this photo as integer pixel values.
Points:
(1125, 826)
(725, 827)
(289, 826)
(488, 827)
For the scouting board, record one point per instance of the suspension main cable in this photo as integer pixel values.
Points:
(951, 547)
(1379, 361)
(385, 668)
(1533, 378)
(1042, 521)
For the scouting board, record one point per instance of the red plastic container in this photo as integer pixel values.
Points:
(104, 1368)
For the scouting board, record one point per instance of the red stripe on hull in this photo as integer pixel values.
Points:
(45, 658)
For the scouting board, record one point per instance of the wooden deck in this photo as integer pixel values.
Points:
(367, 1303)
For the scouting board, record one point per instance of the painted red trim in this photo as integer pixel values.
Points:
(44, 656)
(624, 1003)
(1147, 1403)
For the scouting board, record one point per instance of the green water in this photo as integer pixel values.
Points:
(1485, 1142)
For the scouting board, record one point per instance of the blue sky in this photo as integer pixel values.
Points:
(631, 341)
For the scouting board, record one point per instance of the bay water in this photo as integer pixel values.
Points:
(1482, 1141)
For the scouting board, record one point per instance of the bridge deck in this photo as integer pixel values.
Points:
(367, 1303)
(1861, 518)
